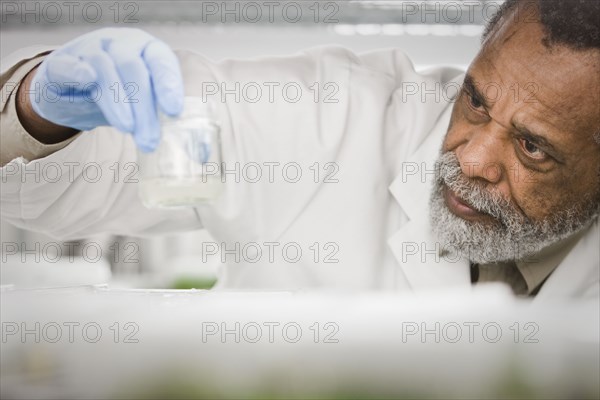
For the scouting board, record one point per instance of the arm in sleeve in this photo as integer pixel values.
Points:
(279, 116)
(89, 185)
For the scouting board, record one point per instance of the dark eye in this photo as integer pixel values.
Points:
(532, 150)
(475, 103)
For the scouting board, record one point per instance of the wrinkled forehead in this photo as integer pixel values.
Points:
(558, 83)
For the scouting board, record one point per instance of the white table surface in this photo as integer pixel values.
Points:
(169, 343)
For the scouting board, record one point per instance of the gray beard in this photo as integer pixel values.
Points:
(510, 236)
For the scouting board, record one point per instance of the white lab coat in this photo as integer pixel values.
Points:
(375, 216)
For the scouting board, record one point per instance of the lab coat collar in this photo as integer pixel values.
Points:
(422, 259)
(412, 186)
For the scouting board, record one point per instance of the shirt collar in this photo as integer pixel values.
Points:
(537, 268)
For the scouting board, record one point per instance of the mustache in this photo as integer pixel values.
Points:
(475, 193)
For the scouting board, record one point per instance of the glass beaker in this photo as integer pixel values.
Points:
(185, 168)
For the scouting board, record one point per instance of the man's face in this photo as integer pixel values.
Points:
(521, 159)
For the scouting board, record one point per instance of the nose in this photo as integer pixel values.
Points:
(480, 156)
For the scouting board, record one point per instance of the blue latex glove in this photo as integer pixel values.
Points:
(112, 76)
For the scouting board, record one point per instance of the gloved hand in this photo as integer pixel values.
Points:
(112, 76)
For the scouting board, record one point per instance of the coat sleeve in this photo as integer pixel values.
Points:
(16, 142)
(285, 125)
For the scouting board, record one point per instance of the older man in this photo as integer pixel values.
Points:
(513, 197)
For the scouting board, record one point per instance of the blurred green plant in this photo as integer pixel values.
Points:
(189, 282)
